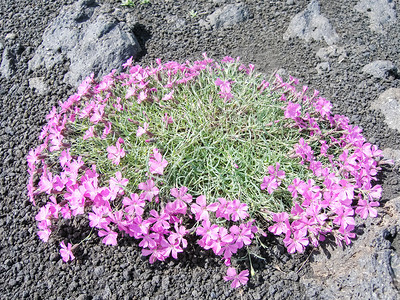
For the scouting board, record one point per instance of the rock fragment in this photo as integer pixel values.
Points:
(389, 104)
(38, 84)
(380, 69)
(227, 16)
(89, 37)
(332, 52)
(311, 25)
(323, 67)
(381, 13)
(7, 65)
(368, 269)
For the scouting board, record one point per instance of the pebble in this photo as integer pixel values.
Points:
(10, 36)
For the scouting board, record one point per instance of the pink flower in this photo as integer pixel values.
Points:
(224, 209)
(201, 209)
(44, 234)
(142, 130)
(99, 219)
(149, 190)
(117, 183)
(89, 133)
(115, 153)
(366, 208)
(157, 163)
(46, 181)
(208, 232)
(128, 63)
(181, 194)
(168, 96)
(270, 183)
(239, 210)
(110, 237)
(134, 205)
(177, 236)
(323, 106)
(158, 253)
(304, 151)
(298, 243)
(167, 120)
(174, 248)
(97, 114)
(66, 252)
(282, 225)
(142, 96)
(238, 279)
(107, 129)
(275, 172)
(294, 187)
(292, 110)
(223, 238)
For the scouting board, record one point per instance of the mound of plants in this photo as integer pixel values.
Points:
(205, 148)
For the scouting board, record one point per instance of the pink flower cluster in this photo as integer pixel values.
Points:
(328, 203)
(344, 187)
(225, 87)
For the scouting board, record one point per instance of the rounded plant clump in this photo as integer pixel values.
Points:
(208, 148)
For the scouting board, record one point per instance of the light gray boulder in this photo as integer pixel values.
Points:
(381, 13)
(332, 53)
(89, 37)
(7, 66)
(311, 25)
(38, 84)
(227, 16)
(369, 268)
(389, 104)
(380, 69)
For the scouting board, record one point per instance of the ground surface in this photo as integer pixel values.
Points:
(33, 270)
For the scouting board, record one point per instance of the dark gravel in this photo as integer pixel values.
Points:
(30, 269)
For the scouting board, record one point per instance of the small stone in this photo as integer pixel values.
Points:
(12, 282)
(290, 2)
(293, 276)
(7, 64)
(54, 257)
(98, 271)
(10, 36)
(389, 104)
(380, 69)
(38, 84)
(323, 67)
(227, 16)
(8, 262)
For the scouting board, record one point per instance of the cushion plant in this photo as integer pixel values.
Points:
(206, 148)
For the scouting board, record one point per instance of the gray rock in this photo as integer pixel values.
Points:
(380, 69)
(389, 104)
(229, 15)
(393, 154)
(98, 271)
(89, 37)
(310, 24)
(381, 13)
(367, 269)
(179, 22)
(323, 67)
(39, 85)
(7, 65)
(10, 36)
(332, 52)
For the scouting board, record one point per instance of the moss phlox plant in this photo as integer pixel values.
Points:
(203, 148)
